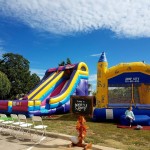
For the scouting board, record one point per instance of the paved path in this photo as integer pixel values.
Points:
(8, 142)
(52, 141)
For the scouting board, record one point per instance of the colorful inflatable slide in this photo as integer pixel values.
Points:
(53, 93)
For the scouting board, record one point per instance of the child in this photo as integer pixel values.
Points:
(129, 115)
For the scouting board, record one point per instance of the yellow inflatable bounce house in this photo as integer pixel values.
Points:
(124, 74)
(121, 86)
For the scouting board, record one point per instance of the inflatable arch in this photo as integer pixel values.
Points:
(135, 73)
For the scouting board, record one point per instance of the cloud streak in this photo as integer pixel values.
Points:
(127, 18)
(95, 55)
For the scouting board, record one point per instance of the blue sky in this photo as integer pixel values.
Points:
(48, 32)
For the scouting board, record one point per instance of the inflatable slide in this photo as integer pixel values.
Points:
(52, 95)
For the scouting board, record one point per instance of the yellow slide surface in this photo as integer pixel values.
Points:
(41, 86)
(45, 88)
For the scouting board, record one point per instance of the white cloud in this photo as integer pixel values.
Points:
(92, 77)
(95, 55)
(39, 72)
(128, 18)
(2, 51)
(92, 80)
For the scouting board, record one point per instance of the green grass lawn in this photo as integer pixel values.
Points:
(104, 134)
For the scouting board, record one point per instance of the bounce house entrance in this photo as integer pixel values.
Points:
(123, 94)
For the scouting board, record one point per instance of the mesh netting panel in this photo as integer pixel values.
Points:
(122, 94)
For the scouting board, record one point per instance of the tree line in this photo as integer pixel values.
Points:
(16, 79)
(15, 76)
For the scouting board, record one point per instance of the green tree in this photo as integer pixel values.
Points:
(5, 85)
(16, 67)
(63, 63)
(68, 61)
(34, 80)
(93, 93)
